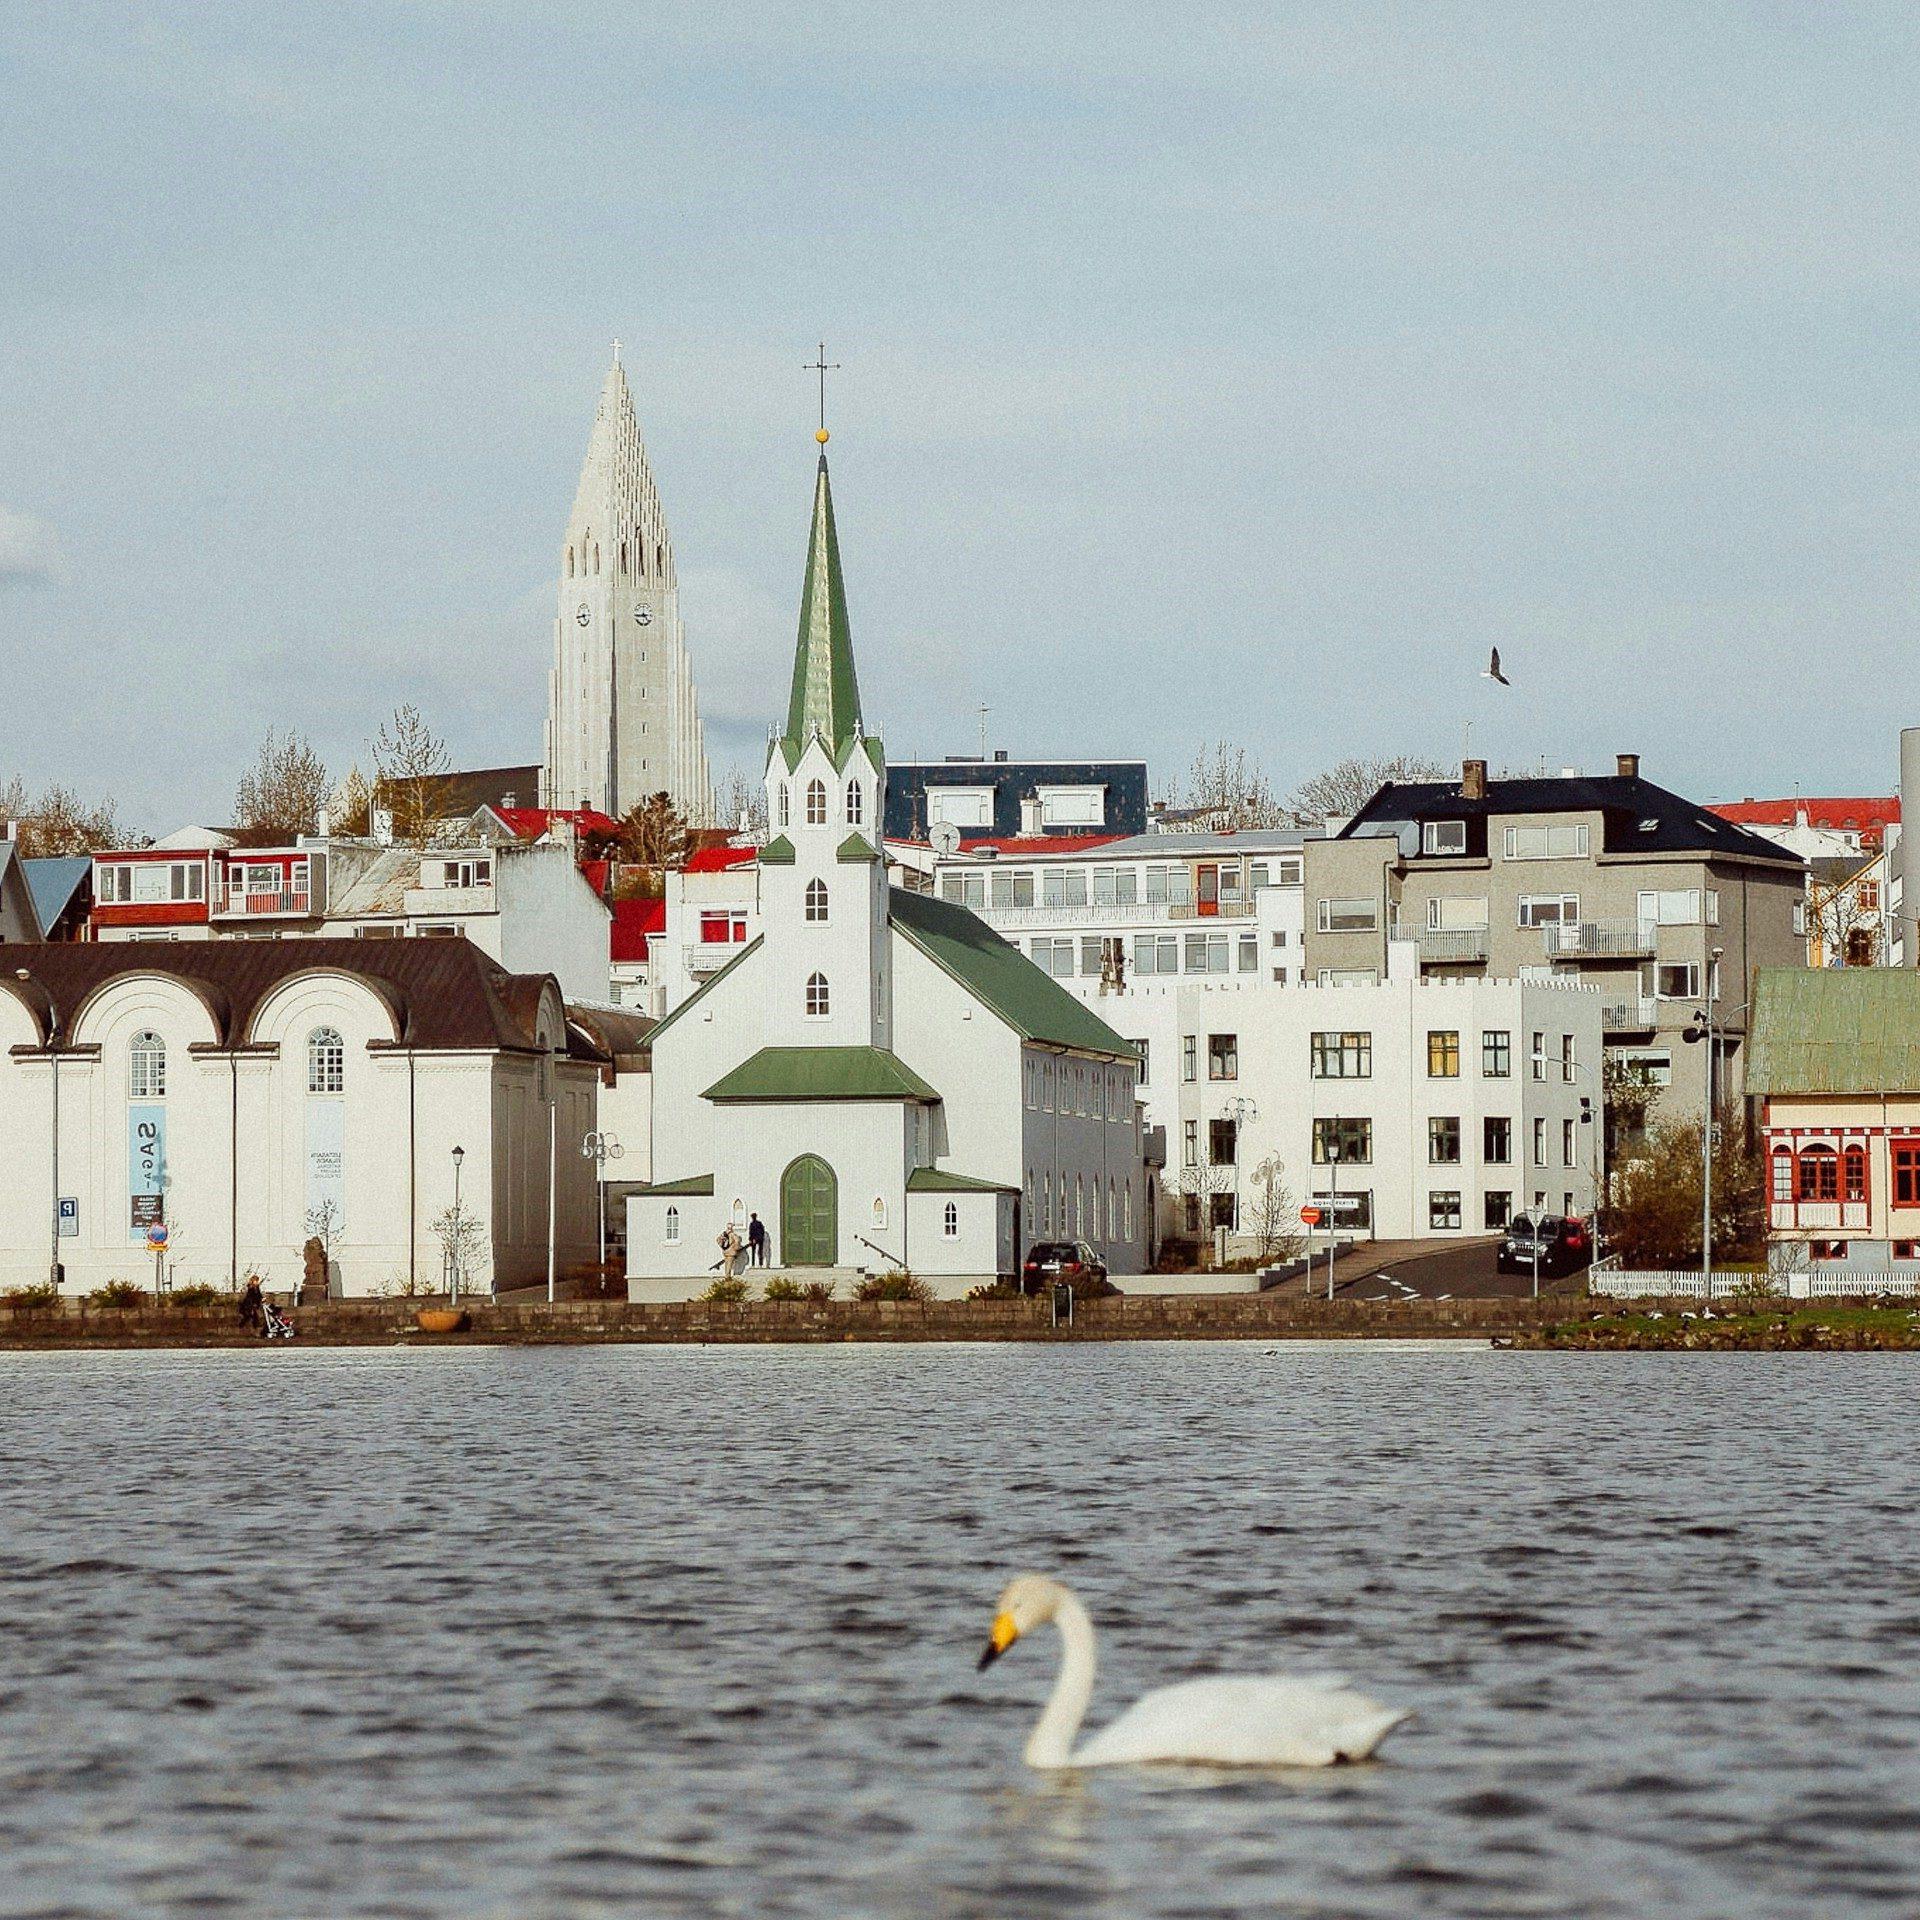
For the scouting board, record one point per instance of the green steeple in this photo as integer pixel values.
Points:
(826, 695)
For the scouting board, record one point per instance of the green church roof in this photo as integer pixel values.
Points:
(1835, 1030)
(826, 695)
(939, 1180)
(821, 1073)
(693, 1184)
(1032, 1003)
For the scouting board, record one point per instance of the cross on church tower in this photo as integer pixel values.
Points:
(822, 366)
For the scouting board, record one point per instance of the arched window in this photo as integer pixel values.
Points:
(659, 559)
(816, 803)
(1819, 1173)
(673, 1226)
(1113, 1210)
(147, 1067)
(780, 805)
(1855, 1159)
(1126, 1197)
(816, 899)
(879, 1214)
(855, 805)
(817, 997)
(950, 1221)
(1080, 1206)
(326, 1061)
(1046, 1203)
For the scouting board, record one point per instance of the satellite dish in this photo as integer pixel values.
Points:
(945, 837)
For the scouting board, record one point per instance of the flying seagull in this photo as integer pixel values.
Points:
(1491, 671)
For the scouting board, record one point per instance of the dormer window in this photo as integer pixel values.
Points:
(1443, 836)
(855, 806)
(780, 805)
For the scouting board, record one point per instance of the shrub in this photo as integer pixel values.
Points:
(997, 1290)
(897, 1285)
(196, 1293)
(729, 1292)
(817, 1291)
(116, 1293)
(781, 1288)
(41, 1294)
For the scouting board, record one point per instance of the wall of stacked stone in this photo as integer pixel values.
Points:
(533, 1322)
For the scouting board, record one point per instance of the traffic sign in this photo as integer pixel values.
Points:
(1310, 1216)
(69, 1216)
(157, 1238)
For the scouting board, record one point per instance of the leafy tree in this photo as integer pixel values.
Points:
(282, 793)
(654, 833)
(1347, 786)
(350, 805)
(59, 821)
(1653, 1218)
(411, 765)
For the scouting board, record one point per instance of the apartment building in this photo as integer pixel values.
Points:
(1611, 881)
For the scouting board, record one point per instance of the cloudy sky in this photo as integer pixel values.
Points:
(1209, 371)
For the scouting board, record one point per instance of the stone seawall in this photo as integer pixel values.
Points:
(534, 1323)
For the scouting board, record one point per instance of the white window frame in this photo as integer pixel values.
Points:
(1443, 837)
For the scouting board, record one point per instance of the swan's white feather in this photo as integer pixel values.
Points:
(1244, 1720)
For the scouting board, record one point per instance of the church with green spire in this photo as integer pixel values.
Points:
(878, 1079)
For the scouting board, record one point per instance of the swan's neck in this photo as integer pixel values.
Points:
(1052, 1738)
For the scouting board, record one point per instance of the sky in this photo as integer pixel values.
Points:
(1208, 372)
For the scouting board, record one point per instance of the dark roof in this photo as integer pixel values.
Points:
(905, 813)
(1853, 1030)
(1031, 1002)
(458, 794)
(443, 993)
(53, 881)
(1638, 816)
(615, 1032)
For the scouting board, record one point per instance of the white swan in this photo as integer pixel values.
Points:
(1234, 1720)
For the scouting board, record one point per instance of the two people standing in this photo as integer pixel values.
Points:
(754, 1245)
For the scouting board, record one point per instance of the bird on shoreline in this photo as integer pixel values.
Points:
(1234, 1720)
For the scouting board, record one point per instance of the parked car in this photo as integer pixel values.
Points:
(1563, 1244)
(1070, 1260)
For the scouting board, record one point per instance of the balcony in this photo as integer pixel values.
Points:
(1630, 1016)
(1823, 1216)
(236, 901)
(1453, 946)
(1598, 940)
(705, 957)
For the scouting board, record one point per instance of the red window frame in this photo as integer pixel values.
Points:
(1816, 1174)
(1906, 1173)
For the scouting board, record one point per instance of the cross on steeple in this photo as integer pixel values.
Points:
(822, 366)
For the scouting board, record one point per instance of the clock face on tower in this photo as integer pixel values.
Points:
(585, 614)
(643, 616)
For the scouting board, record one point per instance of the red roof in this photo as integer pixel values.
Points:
(529, 823)
(719, 859)
(1017, 844)
(634, 921)
(1866, 816)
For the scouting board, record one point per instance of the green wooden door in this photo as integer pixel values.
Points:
(809, 1214)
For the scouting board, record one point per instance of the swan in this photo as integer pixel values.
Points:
(1233, 1720)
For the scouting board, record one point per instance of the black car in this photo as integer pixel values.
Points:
(1563, 1244)
(1070, 1260)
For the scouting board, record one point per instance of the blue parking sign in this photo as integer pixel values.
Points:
(69, 1216)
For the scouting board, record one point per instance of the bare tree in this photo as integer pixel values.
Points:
(654, 833)
(1202, 1182)
(411, 764)
(1272, 1212)
(1347, 786)
(282, 793)
(741, 804)
(1226, 784)
(350, 805)
(1846, 929)
(59, 821)
(463, 1241)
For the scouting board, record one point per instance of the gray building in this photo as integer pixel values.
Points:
(1612, 880)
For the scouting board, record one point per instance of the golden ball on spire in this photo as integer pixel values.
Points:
(822, 436)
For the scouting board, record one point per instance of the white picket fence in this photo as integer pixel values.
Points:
(1829, 1283)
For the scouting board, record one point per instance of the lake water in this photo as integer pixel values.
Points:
(644, 1631)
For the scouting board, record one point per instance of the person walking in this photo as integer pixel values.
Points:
(253, 1305)
(756, 1241)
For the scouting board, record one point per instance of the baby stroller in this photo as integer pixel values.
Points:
(276, 1325)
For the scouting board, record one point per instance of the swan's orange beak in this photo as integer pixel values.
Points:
(1004, 1634)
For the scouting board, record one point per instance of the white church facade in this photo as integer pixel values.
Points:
(623, 716)
(878, 1076)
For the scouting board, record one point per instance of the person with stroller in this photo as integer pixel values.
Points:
(253, 1305)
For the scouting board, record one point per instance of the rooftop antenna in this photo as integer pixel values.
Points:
(984, 711)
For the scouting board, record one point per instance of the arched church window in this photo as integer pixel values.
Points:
(816, 900)
(855, 807)
(816, 803)
(147, 1067)
(780, 805)
(818, 1002)
(326, 1061)
(659, 559)
(673, 1226)
(950, 1221)
(623, 556)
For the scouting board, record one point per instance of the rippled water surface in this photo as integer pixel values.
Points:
(673, 1631)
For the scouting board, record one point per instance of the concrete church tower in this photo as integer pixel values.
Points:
(828, 979)
(623, 719)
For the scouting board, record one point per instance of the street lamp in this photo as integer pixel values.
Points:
(1590, 1117)
(600, 1148)
(53, 1055)
(1333, 1206)
(458, 1238)
(1706, 1027)
(1242, 1110)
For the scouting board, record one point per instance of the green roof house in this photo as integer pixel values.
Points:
(878, 1081)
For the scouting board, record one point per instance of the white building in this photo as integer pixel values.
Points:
(250, 1095)
(623, 719)
(877, 1075)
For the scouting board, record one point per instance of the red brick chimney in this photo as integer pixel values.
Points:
(1473, 779)
(1628, 765)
